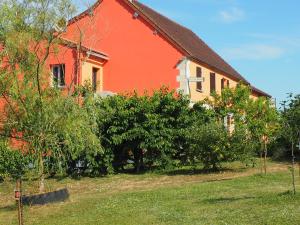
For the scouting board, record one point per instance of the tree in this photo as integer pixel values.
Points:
(208, 145)
(263, 123)
(253, 121)
(53, 127)
(144, 128)
(291, 127)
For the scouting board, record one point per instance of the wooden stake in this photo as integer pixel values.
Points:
(265, 157)
(19, 201)
(293, 169)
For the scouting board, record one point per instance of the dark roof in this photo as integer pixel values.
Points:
(260, 92)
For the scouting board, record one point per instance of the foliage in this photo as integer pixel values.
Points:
(291, 118)
(49, 121)
(232, 101)
(13, 163)
(145, 129)
(263, 120)
(208, 145)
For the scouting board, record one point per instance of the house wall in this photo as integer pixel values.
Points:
(67, 56)
(197, 95)
(87, 71)
(139, 59)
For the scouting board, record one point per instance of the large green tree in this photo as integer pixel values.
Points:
(146, 129)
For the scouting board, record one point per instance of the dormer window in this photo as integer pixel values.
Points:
(58, 75)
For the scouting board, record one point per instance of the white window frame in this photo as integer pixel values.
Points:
(61, 73)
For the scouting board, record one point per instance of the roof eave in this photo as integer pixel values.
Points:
(92, 52)
(260, 92)
(158, 28)
(84, 13)
(217, 70)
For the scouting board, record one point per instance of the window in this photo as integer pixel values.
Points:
(212, 83)
(224, 83)
(58, 73)
(95, 79)
(229, 122)
(199, 74)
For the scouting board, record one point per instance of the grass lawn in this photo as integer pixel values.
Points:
(237, 197)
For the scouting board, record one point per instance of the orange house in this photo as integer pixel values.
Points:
(128, 46)
(123, 45)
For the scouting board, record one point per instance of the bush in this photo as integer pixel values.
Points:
(143, 129)
(207, 145)
(13, 163)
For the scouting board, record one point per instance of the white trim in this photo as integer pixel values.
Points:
(59, 75)
(184, 76)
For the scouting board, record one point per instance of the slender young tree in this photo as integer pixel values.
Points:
(291, 127)
(50, 124)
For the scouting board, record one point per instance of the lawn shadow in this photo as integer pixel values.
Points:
(189, 171)
(288, 193)
(201, 171)
(226, 200)
(8, 208)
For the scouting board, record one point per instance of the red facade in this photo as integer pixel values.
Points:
(139, 58)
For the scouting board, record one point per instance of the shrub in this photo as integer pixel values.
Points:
(143, 129)
(13, 163)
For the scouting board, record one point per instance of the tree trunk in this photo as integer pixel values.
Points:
(293, 169)
(261, 161)
(19, 201)
(138, 160)
(265, 157)
(42, 176)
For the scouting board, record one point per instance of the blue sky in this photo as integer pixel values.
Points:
(259, 38)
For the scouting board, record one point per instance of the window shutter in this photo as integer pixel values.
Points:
(199, 74)
(228, 83)
(222, 83)
(62, 75)
(212, 82)
(94, 79)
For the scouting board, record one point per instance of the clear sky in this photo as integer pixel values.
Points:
(259, 38)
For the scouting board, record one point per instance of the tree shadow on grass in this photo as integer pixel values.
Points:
(8, 208)
(226, 200)
(288, 193)
(200, 171)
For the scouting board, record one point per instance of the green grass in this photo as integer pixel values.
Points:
(222, 198)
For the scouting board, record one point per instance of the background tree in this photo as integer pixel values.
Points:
(290, 131)
(263, 124)
(253, 123)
